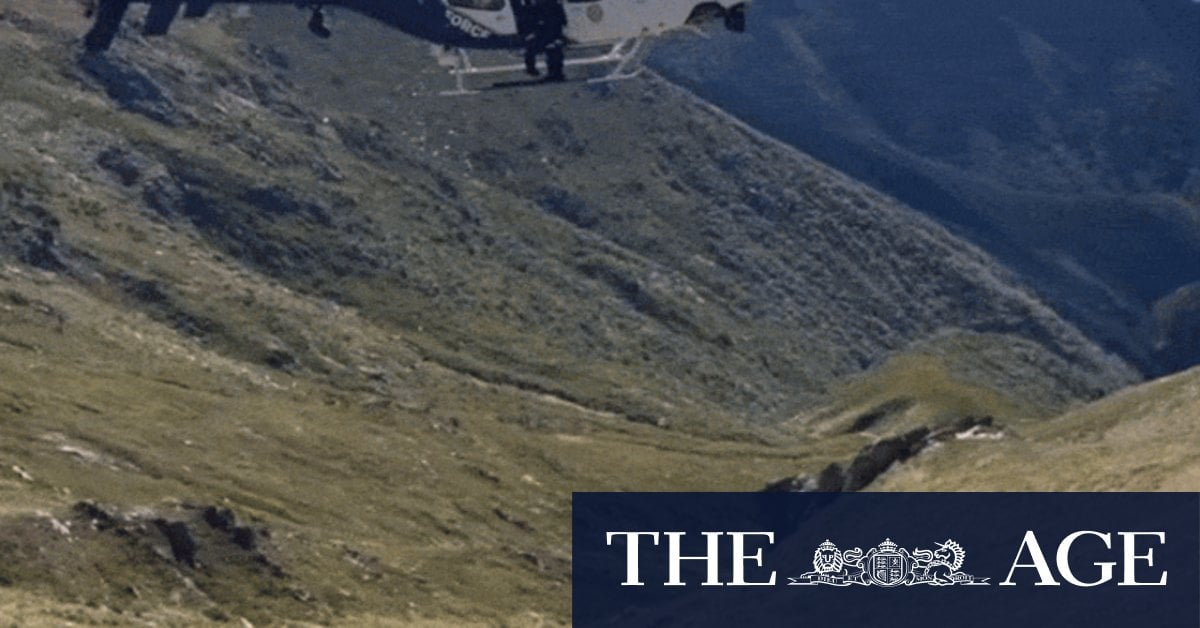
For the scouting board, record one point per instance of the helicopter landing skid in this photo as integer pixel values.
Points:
(624, 56)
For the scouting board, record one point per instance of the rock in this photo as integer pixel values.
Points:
(29, 231)
(278, 201)
(964, 424)
(121, 164)
(831, 480)
(220, 518)
(41, 251)
(244, 537)
(131, 88)
(100, 518)
(58, 526)
(225, 520)
(163, 195)
(798, 484)
(870, 462)
(281, 360)
(145, 291)
(874, 459)
(567, 206)
(183, 543)
(22, 473)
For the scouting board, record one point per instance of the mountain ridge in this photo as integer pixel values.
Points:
(1060, 138)
(285, 337)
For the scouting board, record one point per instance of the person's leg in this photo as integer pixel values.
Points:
(555, 60)
(531, 60)
(108, 23)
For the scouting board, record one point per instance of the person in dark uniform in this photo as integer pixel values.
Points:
(540, 24)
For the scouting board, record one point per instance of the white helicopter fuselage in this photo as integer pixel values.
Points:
(592, 22)
(461, 24)
(602, 21)
(456, 26)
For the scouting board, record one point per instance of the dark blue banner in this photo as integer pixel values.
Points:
(887, 559)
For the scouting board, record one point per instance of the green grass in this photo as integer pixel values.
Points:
(416, 484)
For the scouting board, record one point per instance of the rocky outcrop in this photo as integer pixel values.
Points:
(28, 231)
(875, 459)
(195, 536)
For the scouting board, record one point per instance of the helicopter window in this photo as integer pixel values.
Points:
(478, 5)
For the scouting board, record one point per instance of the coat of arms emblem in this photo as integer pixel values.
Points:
(888, 565)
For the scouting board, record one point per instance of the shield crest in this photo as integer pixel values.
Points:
(888, 568)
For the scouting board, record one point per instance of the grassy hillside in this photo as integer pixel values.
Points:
(286, 336)
(444, 496)
(625, 248)
(1141, 439)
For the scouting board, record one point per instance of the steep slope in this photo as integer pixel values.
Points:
(409, 492)
(1062, 137)
(626, 249)
(284, 336)
(1141, 439)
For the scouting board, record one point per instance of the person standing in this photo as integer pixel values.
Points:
(540, 23)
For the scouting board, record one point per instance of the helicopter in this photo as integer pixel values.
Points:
(611, 33)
